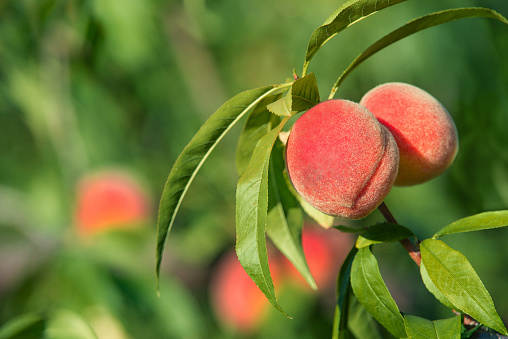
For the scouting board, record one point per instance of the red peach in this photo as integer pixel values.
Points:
(110, 199)
(236, 300)
(425, 132)
(341, 160)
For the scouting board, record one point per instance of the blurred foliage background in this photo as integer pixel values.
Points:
(87, 85)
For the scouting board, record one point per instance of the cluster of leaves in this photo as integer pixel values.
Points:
(267, 204)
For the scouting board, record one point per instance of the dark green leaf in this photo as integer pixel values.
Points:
(384, 232)
(303, 95)
(348, 14)
(432, 288)
(343, 293)
(256, 126)
(194, 155)
(478, 222)
(251, 214)
(419, 328)
(29, 326)
(371, 291)
(455, 278)
(413, 27)
(361, 323)
(285, 216)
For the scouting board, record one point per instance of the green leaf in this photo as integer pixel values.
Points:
(28, 326)
(324, 220)
(419, 328)
(384, 232)
(256, 126)
(195, 154)
(343, 293)
(432, 288)
(64, 324)
(285, 217)
(413, 27)
(478, 222)
(350, 229)
(455, 278)
(361, 323)
(251, 215)
(371, 291)
(304, 94)
(348, 14)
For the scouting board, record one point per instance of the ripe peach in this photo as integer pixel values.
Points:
(424, 131)
(236, 300)
(109, 199)
(340, 159)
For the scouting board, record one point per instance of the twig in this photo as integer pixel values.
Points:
(412, 249)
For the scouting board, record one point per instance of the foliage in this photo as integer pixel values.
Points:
(446, 272)
(89, 84)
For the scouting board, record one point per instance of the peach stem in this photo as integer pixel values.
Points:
(411, 248)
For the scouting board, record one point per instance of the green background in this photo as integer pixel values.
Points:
(86, 85)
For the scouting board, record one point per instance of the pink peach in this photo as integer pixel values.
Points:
(236, 300)
(341, 160)
(424, 130)
(110, 199)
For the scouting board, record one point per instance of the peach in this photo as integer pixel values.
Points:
(340, 159)
(236, 300)
(424, 130)
(110, 199)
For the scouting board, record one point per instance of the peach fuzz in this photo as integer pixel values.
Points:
(341, 160)
(236, 300)
(110, 199)
(424, 130)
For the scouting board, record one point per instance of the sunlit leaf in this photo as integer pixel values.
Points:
(64, 324)
(251, 214)
(384, 232)
(348, 14)
(420, 328)
(413, 27)
(256, 126)
(285, 216)
(478, 222)
(195, 154)
(371, 291)
(432, 288)
(343, 293)
(304, 94)
(455, 278)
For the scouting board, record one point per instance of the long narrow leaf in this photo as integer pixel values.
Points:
(251, 214)
(414, 26)
(194, 155)
(256, 126)
(371, 291)
(285, 217)
(478, 222)
(455, 278)
(348, 14)
(343, 293)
